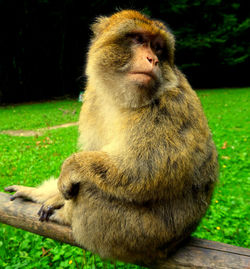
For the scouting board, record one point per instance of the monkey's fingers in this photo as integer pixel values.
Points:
(45, 213)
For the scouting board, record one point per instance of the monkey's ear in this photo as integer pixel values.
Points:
(99, 25)
(171, 48)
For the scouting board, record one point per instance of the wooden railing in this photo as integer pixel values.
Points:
(196, 253)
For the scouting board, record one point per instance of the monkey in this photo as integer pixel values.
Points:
(147, 165)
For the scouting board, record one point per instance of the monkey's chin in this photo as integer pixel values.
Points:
(141, 79)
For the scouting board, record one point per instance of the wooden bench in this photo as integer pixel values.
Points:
(196, 253)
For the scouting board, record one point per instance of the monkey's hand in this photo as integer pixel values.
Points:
(84, 168)
(69, 180)
(99, 169)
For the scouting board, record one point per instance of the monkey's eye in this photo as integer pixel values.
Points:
(137, 38)
(158, 49)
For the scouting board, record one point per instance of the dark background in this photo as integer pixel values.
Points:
(43, 43)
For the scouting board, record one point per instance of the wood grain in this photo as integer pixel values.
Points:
(196, 253)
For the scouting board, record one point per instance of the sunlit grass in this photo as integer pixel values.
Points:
(227, 219)
(30, 160)
(38, 115)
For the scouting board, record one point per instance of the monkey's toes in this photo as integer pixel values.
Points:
(70, 191)
(12, 188)
(45, 212)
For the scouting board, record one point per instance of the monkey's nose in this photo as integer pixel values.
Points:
(153, 61)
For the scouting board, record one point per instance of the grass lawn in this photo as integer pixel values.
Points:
(30, 160)
(38, 115)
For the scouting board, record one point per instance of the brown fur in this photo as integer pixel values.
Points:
(147, 166)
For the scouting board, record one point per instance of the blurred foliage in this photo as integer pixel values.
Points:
(44, 42)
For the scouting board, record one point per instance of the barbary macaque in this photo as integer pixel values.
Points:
(147, 167)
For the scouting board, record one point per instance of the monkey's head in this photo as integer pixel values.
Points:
(131, 59)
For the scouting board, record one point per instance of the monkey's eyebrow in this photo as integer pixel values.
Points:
(145, 34)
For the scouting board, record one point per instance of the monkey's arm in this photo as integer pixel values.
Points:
(101, 170)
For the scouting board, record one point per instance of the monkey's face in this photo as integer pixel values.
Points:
(143, 70)
(131, 60)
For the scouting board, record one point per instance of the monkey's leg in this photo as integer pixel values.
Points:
(39, 195)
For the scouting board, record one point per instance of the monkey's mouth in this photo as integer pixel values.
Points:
(150, 74)
(142, 76)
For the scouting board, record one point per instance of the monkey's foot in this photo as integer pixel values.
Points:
(20, 191)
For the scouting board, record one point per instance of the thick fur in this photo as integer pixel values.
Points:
(147, 166)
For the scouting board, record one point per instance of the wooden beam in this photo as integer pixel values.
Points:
(23, 214)
(196, 253)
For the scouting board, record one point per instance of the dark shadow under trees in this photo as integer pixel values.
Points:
(43, 43)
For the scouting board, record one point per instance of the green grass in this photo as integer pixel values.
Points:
(227, 219)
(30, 160)
(38, 115)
